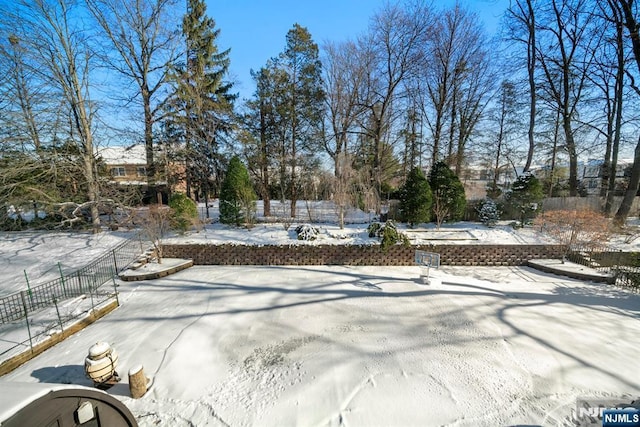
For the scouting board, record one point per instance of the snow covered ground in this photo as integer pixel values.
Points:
(41, 255)
(361, 347)
(356, 234)
(353, 346)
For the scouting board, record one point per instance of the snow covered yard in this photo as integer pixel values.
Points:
(361, 346)
(41, 255)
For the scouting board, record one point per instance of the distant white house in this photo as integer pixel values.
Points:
(591, 173)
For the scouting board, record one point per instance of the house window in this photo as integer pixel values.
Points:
(119, 171)
(142, 171)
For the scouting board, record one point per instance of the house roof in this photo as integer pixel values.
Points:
(118, 155)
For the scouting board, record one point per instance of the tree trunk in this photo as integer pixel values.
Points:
(264, 163)
(632, 26)
(618, 100)
(92, 189)
(148, 144)
(377, 162)
(573, 157)
(554, 152)
(294, 185)
(436, 139)
(531, 69)
(624, 209)
(137, 382)
(83, 124)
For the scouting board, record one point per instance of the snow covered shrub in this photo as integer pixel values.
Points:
(374, 229)
(488, 212)
(307, 232)
(387, 233)
(237, 197)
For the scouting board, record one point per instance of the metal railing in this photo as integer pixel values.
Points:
(85, 280)
(624, 266)
(27, 317)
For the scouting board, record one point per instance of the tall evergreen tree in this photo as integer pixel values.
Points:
(415, 198)
(262, 133)
(237, 198)
(203, 100)
(302, 100)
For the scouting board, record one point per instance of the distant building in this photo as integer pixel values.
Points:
(126, 165)
(592, 173)
(476, 178)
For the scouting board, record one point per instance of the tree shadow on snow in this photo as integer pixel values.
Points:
(343, 284)
(601, 298)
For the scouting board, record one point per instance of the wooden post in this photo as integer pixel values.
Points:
(137, 382)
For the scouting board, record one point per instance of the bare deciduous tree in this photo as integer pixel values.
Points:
(521, 19)
(629, 14)
(22, 93)
(505, 120)
(565, 51)
(155, 221)
(54, 41)
(142, 35)
(396, 45)
(343, 188)
(345, 71)
(457, 82)
(607, 77)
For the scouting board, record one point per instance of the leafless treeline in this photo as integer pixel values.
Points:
(558, 86)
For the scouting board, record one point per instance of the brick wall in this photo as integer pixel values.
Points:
(464, 255)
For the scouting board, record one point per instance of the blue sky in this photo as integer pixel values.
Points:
(255, 30)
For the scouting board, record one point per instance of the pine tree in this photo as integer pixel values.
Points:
(300, 104)
(449, 202)
(237, 198)
(415, 198)
(488, 212)
(525, 197)
(202, 100)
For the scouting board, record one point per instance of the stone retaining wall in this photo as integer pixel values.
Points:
(462, 255)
